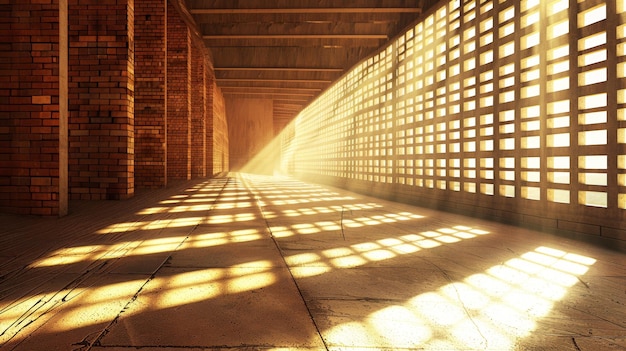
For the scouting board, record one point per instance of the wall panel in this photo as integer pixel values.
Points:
(512, 110)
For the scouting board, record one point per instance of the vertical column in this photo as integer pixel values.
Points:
(209, 81)
(178, 96)
(198, 113)
(220, 140)
(150, 94)
(101, 93)
(63, 108)
(29, 108)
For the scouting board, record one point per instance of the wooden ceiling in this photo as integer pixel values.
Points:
(291, 50)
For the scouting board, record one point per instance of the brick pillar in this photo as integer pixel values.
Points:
(150, 94)
(178, 96)
(209, 79)
(101, 88)
(198, 113)
(29, 108)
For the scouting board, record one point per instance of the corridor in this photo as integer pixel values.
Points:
(251, 262)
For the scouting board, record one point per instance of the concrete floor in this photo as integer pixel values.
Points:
(253, 262)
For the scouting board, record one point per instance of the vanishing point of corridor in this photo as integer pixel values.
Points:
(248, 262)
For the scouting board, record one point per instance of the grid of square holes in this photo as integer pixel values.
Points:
(516, 99)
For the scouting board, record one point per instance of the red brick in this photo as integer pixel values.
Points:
(91, 97)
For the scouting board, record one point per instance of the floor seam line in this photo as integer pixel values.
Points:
(282, 256)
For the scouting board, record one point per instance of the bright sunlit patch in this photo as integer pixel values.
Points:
(390, 242)
(478, 231)
(153, 210)
(200, 208)
(411, 215)
(121, 228)
(403, 249)
(323, 209)
(447, 239)
(188, 287)
(352, 224)
(411, 237)
(208, 240)
(281, 232)
(384, 219)
(349, 333)
(173, 223)
(55, 260)
(365, 246)
(169, 202)
(337, 252)
(153, 246)
(291, 213)
(302, 259)
(306, 228)
(464, 235)
(490, 310)
(310, 271)
(430, 234)
(348, 261)
(243, 217)
(244, 235)
(435, 309)
(400, 326)
(250, 281)
(328, 225)
(231, 205)
(222, 219)
(472, 298)
(427, 243)
(447, 230)
(378, 255)
(95, 305)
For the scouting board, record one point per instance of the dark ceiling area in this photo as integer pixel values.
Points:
(292, 50)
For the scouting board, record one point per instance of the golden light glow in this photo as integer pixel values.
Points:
(487, 310)
(398, 120)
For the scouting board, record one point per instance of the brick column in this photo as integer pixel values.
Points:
(198, 112)
(209, 79)
(150, 94)
(178, 96)
(29, 108)
(101, 88)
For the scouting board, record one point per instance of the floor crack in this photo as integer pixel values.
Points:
(576, 344)
(467, 313)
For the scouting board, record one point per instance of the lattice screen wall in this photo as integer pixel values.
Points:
(514, 107)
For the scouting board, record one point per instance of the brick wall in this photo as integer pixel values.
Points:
(178, 97)
(29, 107)
(101, 88)
(150, 70)
(77, 135)
(198, 112)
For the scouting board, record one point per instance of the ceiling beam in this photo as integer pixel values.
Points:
(296, 36)
(260, 80)
(270, 88)
(290, 101)
(279, 69)
(265, 93)
(330, 10)
(288, 106)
